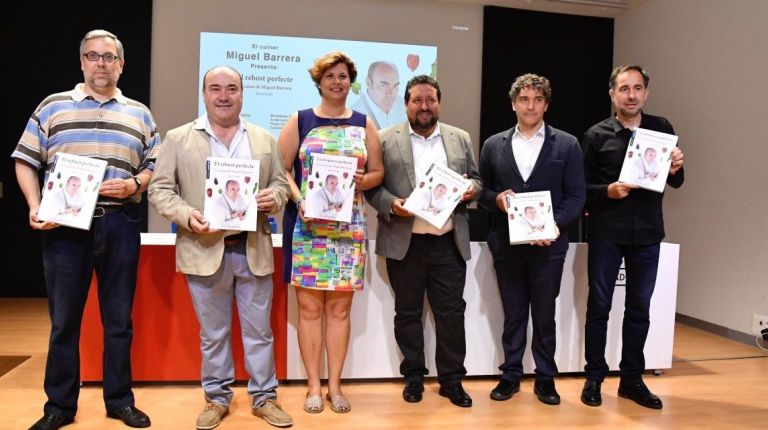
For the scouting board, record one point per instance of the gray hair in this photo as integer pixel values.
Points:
(95, 34)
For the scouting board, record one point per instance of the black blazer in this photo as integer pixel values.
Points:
(558, 169)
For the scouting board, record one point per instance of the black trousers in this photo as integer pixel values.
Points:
(529, 282)
(433, 265)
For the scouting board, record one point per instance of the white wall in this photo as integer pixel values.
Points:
(708, 61)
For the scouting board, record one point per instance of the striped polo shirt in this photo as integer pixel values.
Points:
(120, 131)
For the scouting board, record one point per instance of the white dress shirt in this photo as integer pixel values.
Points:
(527, 150)
(425, 152)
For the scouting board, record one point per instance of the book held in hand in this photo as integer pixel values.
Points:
(648, 158)
(437, 194)
(530, 217)
(330, 187)
(231, 185)
(71, 190)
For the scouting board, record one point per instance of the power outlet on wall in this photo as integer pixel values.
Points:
(759, 323)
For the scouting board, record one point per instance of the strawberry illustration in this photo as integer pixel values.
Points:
(664, 150)
(311, 184)
(90, 178)
(247, 179)
(455, 189)
(629, 154)
(50, 185)
(345, 175)
(209, 192)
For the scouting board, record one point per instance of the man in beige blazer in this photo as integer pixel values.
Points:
(421, 258)
(222, 264)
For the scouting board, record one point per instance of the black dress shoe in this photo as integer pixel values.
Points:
(505, 390)
(590, 394)
(545, 391)
(457, 395)
(640, 394)
(131, 416)
(51, 422)
(412, 391)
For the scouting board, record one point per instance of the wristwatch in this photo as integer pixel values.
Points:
(138, 184)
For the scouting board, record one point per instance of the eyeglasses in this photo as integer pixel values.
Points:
(94, 56)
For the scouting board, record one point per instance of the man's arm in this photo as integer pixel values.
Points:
(26, 175)
(163, 188)
(574, 190)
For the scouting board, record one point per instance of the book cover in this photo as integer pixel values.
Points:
(231, 186)
(330, 187)
(530, 217)
(648, 158)
(71, 190)
(436, 196)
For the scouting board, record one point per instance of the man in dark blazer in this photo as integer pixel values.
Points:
(420, 257)
(532, 156)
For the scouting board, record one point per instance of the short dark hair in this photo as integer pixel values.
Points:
(532, 81)
(421, 79)
(626, 68)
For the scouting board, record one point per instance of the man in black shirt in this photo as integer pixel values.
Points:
(624, 222)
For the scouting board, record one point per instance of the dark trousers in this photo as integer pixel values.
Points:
(111, 247)
(433, 265)
(641, 263)
(526, 282)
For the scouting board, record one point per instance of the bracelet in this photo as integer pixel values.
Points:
(298, 201)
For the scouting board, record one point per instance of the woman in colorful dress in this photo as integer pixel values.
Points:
(324, 259)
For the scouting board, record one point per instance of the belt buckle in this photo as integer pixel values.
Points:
(99, 212)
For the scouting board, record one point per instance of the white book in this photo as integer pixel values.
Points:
(330, 187)
(436, 196)
(530, 217)
(71, 190)
(231, 185)
(648, 158)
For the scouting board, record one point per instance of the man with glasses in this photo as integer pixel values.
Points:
(379, 101)
(95, 120)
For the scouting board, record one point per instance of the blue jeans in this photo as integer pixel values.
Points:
(111, 247)
(604, 261)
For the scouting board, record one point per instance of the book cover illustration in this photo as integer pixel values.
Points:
(330, 187)
(230, 191)
(648, 158)
(530, 217)
(71, 190)
(437, 195)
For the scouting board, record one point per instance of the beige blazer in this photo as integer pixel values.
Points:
(178, 187)
(393, 234)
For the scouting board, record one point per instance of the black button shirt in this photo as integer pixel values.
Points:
(636, 219)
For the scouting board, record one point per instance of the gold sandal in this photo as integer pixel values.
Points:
(339, 403)
(314, 404)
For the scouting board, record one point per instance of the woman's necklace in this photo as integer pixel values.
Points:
(337, 120)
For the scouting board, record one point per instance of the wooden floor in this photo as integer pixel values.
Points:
(714, 383)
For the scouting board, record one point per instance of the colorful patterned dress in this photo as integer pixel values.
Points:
(328, 255)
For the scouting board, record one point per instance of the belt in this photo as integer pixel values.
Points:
(235, 239)
(100, 211)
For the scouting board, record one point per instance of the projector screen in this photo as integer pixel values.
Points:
(276, 82)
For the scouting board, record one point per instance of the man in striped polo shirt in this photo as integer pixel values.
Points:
(93, 120)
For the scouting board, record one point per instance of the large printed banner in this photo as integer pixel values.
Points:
(276, 82)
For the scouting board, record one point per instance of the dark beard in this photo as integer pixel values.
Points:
(421, 126)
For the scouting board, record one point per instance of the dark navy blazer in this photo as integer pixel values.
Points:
(558, 169)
